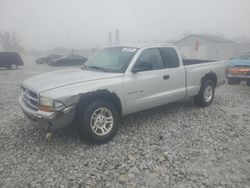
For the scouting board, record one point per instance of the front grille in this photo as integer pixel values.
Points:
(30, 98)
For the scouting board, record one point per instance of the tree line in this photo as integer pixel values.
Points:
(10, 41)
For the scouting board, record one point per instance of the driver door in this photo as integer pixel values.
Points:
(145, 89)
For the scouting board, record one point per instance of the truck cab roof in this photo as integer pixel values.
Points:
(143, 45)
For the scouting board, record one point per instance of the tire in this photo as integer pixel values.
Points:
(98, 123)
(230, 81)
(248, 82)
(13, 67)
(206, 94)
(237, 81)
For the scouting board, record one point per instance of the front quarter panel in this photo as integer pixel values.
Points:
(70, 94)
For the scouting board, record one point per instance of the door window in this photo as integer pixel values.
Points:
(170, 57)
(151, 57)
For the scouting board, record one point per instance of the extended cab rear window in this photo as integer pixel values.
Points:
(153, 57)
(170, 57)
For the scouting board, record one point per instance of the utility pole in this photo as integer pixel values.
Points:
(68, 40)
(117, 36)
(110, 38)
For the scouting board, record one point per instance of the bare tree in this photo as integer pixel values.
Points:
(10, 41)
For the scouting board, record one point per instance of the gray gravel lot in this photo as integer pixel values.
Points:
(176, 145)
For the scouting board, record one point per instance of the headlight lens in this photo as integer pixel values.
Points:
(50, 105)
(44, 101)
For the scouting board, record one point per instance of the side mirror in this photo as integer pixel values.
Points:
(142, 66)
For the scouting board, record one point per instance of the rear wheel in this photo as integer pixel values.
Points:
(206, 94)
(99, 121)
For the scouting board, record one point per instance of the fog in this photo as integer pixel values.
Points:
(86, 23)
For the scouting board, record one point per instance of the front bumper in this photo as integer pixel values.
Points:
(48, 120)
(238, 76)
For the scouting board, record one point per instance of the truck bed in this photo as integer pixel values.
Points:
(196, 69)
(187, 62)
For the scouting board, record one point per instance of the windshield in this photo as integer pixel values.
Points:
(113, 59)
(242, 60)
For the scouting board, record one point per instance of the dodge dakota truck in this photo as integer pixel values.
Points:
(118, 81)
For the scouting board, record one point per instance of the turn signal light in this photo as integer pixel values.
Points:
(46, 109)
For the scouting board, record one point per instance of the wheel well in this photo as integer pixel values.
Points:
(87, 98)
(210, 76)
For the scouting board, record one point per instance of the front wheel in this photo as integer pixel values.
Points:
(99, 121)
(206, 94)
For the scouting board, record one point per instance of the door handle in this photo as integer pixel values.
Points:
(166, 77)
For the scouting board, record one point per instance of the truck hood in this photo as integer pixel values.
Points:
(56, 79)
(240, 62)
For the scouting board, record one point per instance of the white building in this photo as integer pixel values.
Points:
(243, 47)
(206, 47)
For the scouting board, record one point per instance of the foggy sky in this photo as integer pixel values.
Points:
(44, 24)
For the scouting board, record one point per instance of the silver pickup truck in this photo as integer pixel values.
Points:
(118, 81)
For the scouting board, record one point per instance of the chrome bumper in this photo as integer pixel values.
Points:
(238, 76)
(48, 120)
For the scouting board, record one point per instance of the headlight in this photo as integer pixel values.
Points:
(44, 101)
(50, 105)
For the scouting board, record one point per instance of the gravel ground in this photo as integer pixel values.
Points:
(176, 145)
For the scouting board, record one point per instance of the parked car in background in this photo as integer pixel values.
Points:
(47, 59)
(118, 81)
(69, 60)
(10, 60)
(238, 68)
